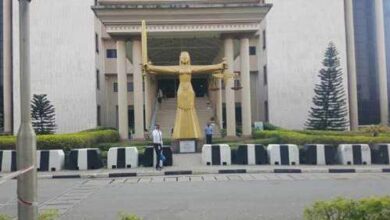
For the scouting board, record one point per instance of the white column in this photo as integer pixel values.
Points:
(147, 100)
(246, 113)
(7, 66)
(218, 103)
(230, 99)
(351, 62)
(138, 93)
(381, 61)
(123, 118)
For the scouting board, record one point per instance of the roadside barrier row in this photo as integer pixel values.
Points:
(219, 154)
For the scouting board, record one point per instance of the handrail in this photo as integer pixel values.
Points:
(154, 116)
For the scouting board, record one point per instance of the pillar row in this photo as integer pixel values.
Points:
(246, 112)
(230, 99)
(138, 91)
(123, 121)
(351, 62)
(381, 61)
(219, 103)
(7, 65)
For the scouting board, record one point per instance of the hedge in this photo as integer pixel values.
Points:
(84, 139)
(300, 138)
(374, 208)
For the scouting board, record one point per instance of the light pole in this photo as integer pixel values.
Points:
(26, 140)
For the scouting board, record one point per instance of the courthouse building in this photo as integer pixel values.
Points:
(86, 56)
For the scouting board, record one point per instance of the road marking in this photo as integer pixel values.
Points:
(183, 179)
(170, 179)
(196, 178)
(209, 178)
(234, 177)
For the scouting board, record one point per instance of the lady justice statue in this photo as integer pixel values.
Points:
(186, 123)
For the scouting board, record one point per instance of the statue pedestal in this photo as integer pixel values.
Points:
(187, 146)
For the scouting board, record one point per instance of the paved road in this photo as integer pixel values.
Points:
(238, 196)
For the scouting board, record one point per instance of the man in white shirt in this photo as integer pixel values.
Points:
(157, 145)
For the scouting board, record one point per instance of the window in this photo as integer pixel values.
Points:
(97, 42)
(111, 53)
(265, 74)
(252, 50)
(98, 116)
(98, 79)
(266, 113)
(264, 39)
(130, 87)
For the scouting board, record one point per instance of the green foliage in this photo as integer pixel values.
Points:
(125, 216)
(4, 217)
(50, 214)
(330, 110)
(66, 141)
(223, 132)
(269, 126)
(42, 115)
(374, 208)
(305, 137)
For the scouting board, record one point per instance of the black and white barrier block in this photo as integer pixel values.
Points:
(50, 160)
(84, 159)
(283, 154)
(319, 154)
(218, 154)
(122, 157)
(357, 154)
(380, 154)
(7, 160)
(150, 156)
(251, 154)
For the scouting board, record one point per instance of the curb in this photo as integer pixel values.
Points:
(219, 171)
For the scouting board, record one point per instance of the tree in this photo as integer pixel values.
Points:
(330, 110)
(43, 115)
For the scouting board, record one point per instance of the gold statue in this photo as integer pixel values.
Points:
(186, 123)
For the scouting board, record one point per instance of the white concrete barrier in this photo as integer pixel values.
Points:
(380, 154)
(7, 160)
(216, 154)
(251, 154)
(50, 160)
(122, 157)
(84, 159)
(354, 154)
(318, 154)
(283, 154)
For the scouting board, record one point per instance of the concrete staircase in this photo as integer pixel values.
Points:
(166, 114)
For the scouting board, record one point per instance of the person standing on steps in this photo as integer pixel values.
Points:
(158, 146)
(208, 130)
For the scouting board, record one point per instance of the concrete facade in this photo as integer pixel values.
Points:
(297, 38)
(70, 61)
(63, 62)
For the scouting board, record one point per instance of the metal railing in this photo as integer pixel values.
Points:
(154, 116)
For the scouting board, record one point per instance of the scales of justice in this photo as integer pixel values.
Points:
(186, 128)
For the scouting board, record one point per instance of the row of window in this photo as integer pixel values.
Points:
(130, 87)
(112, 54)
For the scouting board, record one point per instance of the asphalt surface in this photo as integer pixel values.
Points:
(235, 196)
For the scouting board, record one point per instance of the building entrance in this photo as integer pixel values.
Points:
(169, 87)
